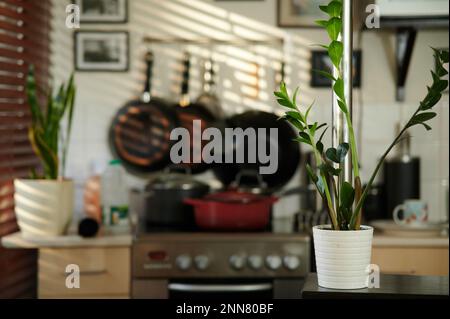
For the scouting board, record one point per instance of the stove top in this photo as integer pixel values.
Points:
(161, 252)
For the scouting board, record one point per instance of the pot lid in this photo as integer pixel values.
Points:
(175, 181)
(234, 197)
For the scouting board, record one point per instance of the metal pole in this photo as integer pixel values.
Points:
(340, 132)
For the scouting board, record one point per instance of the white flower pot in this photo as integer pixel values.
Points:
(43, 207)
(342, 257)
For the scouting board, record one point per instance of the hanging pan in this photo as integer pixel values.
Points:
(140, 132)
(187, 112)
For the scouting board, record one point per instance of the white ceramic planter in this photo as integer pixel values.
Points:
(342, 257)
(43, 207)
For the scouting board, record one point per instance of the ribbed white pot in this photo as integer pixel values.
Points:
(43, 207)
(342, 257)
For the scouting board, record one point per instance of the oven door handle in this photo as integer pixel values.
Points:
(220, 288)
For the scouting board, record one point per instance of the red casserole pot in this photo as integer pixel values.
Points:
(232, 210)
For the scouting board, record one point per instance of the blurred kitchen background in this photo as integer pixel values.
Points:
(252, 44)
(377, 112)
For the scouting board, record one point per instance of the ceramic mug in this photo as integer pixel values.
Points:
(414, 211)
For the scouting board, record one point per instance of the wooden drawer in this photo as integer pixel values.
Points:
(411, 260)
(103, 272)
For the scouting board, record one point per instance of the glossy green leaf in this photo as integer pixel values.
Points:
(319, 147)
(331, 154)
(342, 106)
(325, 74)
(342, 151)
(338, 88)
(347, 195)
(423, 117)
(334, 27)
(302, 140)
(295, 122)
(335, 51)
(430, 100)
(322, 23)
(323, 133)
(444, 56)
(311, 174)
(308, 110)
(333, 9)
(329, 169)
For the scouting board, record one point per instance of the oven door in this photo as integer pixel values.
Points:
(220, 289)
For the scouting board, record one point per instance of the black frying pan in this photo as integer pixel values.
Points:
(288, 151)
(140, 132)
(187, 112)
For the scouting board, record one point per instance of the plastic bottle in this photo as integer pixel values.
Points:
(91, 195)
(114, 197)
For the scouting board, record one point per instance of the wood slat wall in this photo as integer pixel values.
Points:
(24, 40)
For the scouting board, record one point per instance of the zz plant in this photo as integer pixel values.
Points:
(45, 130)
(345, 210)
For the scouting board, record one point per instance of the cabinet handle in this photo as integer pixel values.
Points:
(219, 288)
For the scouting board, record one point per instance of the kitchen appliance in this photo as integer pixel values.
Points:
(401, 176)
(164, 196)
(187, 112)
(219, 266)
(140, 131)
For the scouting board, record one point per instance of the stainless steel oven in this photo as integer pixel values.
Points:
(218, 266)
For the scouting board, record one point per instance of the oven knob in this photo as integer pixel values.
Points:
(201, 262)
(183, 262)
(237, 261)
(291, 262)
(255, 262)
(273, 262)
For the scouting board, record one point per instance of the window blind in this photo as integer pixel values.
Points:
(24, 40)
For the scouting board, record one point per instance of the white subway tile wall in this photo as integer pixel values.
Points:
(100, 95)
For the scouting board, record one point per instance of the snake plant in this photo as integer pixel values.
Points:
(45, 132)
(345, 200)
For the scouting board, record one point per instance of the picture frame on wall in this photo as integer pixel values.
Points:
(300, 13)
(101, 51)
(321, 61)
(103, 11)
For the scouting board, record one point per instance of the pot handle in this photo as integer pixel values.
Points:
(249, 173)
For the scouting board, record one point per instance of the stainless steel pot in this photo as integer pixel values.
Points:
(164, 196)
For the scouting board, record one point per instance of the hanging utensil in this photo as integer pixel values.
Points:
(208, 97)
(140, 131)
(187, 112)
(288, 151)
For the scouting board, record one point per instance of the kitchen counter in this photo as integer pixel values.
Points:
(391, 287)
(380, 240)
(16, 240)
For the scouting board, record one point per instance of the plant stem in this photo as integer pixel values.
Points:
(375, 172)
(353, 148)
(331, 211)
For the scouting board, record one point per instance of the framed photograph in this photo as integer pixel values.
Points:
(300, 13)
(103, 11)
(101, 51)
(321, 61)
